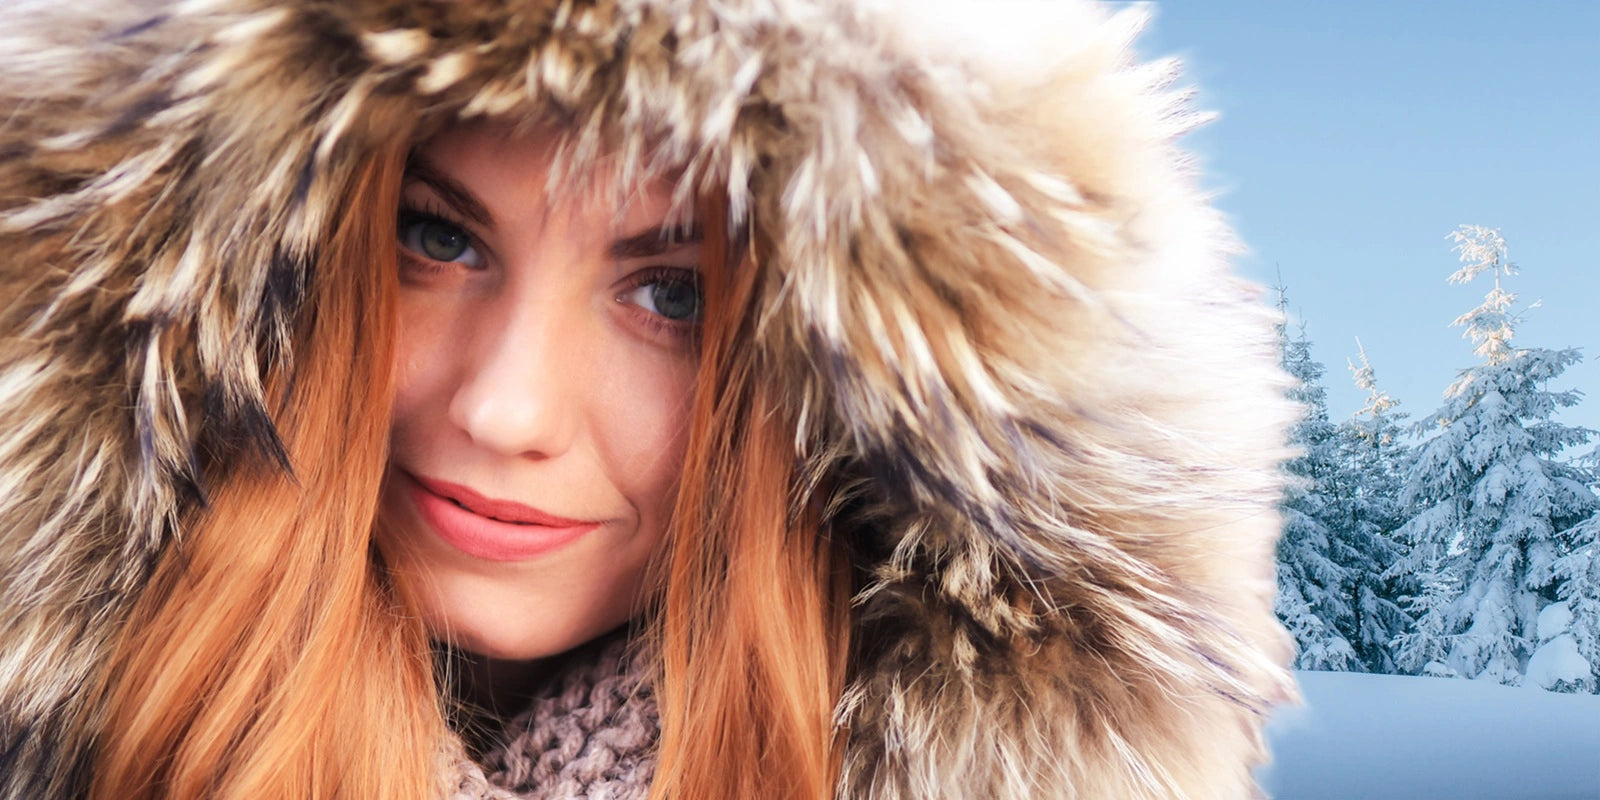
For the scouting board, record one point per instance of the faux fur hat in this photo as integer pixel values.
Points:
(997, 295)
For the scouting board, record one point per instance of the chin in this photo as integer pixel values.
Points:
(513, 621)
(500, 647)
(503, 639)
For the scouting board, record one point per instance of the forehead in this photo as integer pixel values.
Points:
(526, 174)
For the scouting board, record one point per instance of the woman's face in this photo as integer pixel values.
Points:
(545, 367)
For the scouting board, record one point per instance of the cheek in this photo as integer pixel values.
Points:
(640, 422)
(423, 368)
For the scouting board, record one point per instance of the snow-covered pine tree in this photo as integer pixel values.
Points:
(1426, 648)
(1568, 658)
(1578, 573)
(1312, 588)
(1490, 495)
(1373, 455)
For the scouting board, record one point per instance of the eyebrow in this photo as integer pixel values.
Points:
(656, 241)
(421, 170)
(653, 241)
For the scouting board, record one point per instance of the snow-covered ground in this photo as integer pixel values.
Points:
(1392, 737)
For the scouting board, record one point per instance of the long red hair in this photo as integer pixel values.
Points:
(754, 630)
(270, 656)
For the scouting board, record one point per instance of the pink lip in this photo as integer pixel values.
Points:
(494, 530)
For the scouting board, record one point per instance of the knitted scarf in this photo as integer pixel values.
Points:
(590, 733)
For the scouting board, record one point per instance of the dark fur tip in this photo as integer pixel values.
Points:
(258, 429)
(147, 24)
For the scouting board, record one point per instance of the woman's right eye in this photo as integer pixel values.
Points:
(437, 239)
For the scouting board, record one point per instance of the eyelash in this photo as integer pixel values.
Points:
(428, 211)
(683, 331)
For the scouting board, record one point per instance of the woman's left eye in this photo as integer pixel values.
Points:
(438, 239)
(672, 294)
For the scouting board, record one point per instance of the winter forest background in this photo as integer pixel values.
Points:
(1463, 544)
(1446, 515)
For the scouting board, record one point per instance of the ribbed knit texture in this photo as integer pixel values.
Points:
(590, 734)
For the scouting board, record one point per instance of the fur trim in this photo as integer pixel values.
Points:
(991, 287)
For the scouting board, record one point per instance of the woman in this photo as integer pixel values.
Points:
(558, 399)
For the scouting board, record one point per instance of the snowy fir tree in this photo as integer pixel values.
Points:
(1568, 658)
(1426, 648)
(1313, 592)
(1579, 573)
(1368, 512)
(1490, 494)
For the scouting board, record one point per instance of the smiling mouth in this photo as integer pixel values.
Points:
(489, 529)
(507, 511)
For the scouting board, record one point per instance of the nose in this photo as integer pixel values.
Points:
(519, 373)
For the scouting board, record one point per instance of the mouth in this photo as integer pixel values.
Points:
(498, 510)
(488, 528)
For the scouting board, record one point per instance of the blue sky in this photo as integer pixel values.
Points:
(1354, 137)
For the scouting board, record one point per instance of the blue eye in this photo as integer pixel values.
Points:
(676, 300)
(438, 239)
(672, 294)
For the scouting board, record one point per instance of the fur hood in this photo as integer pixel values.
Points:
(998, 292)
